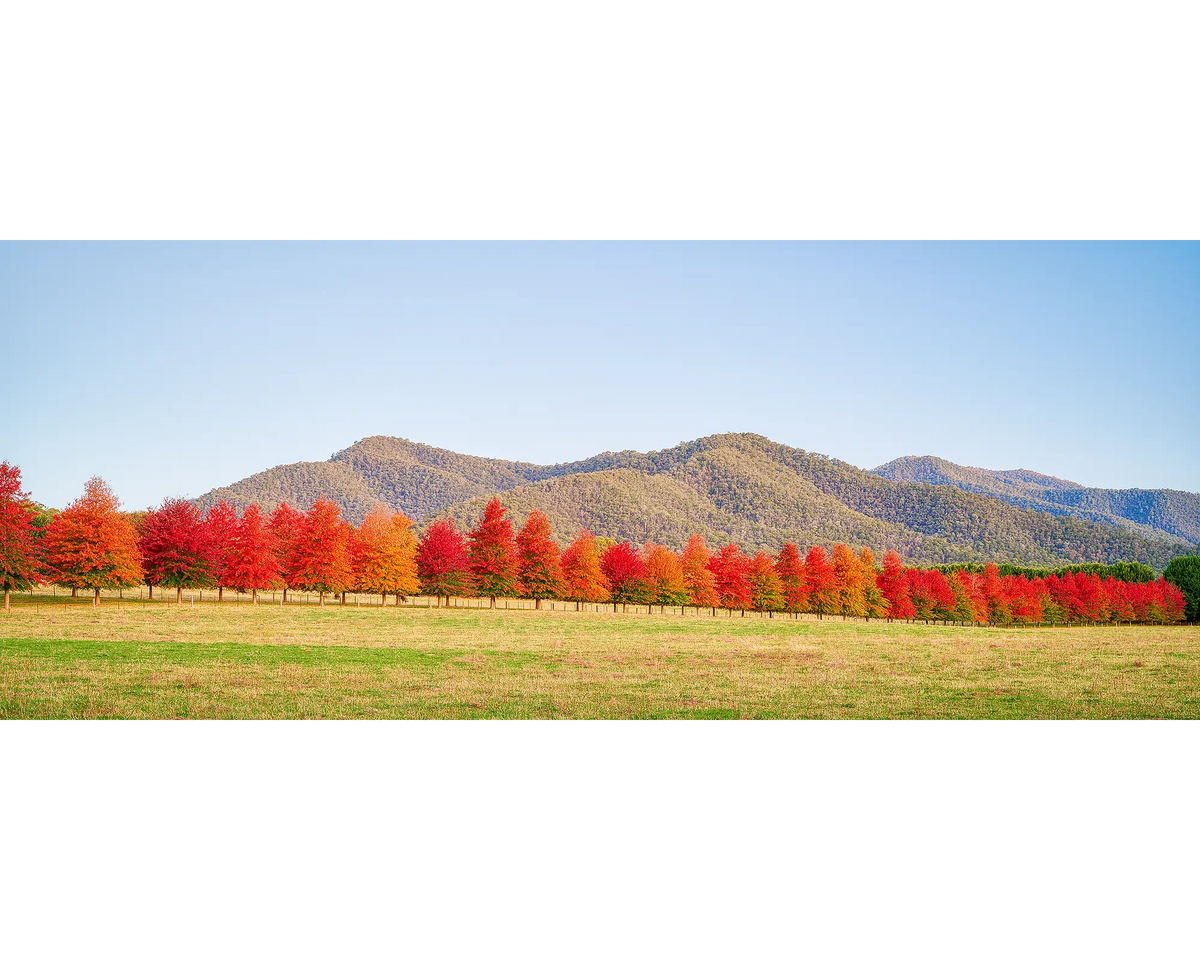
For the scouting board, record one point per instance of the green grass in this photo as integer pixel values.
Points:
(143, 660)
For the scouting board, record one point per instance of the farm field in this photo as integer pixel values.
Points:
(63, 659)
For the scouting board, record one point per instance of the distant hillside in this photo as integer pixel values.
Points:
(1152, 513)
(300, 484)
(729, 487)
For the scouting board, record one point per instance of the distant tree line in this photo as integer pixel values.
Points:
(93, 545)
(1125, 572)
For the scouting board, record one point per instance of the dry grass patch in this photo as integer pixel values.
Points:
(158, 660)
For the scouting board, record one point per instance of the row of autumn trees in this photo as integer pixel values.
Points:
(93, 545)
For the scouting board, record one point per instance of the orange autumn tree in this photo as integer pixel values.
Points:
(697, 577)
(319, 559)
(766, 587)
(873, 599)
(539, 565)
(584, 580)
(664, 571)
(383, 555)
(409, 582)
(92, 545)
(848, 575)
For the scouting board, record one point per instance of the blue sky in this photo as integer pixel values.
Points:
(171, 368)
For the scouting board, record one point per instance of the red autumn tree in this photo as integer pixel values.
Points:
(284, 526)
(931, 594)
(1023, 597)
(700, 582)
(493, 554)
(320, 558)
(894, 587)
(766, 588)
(176, 547)
(92, 545)
(822, 582)
(584, 580)
(731, 569)
(971, 585)
(1170, 600)
(789, 565)
(626, 573)
(664, 572)
(539, 564)
(18, 561)
(442, 562)
(993, 591)
(251, 563)
(220, 523)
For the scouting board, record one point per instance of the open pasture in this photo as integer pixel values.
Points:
(161, 660)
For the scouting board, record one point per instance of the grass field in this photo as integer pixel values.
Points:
(143, 660)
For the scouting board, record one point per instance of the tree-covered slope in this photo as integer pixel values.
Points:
(1151, 513)
(638, 506)
(729, 487)
(301, 485)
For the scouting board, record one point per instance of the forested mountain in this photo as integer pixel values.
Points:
(729, 487)
(1152, 513)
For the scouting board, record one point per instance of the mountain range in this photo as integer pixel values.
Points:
(746, 489)
(1152, 513)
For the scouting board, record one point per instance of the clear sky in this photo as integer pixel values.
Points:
(172, 368)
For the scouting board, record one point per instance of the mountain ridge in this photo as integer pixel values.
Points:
(1154, 512)
(737, 487)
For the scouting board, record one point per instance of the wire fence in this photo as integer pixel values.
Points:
(169, 597)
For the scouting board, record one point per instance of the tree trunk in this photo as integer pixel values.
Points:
(321, 602)
(74, 594)
(343, 598)
(179, 595)
(96, 602)
(254, 595)
(383, 599)
(492, 603)
(220, 594)
(7, 591)
(151, 586)
(285, 594)
(537, 603)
